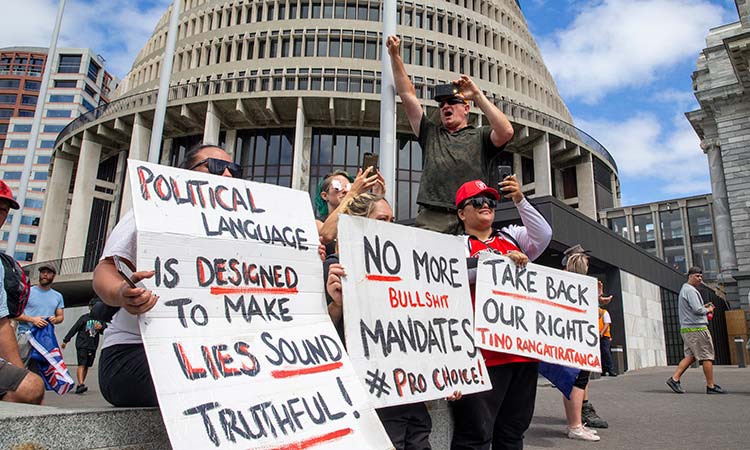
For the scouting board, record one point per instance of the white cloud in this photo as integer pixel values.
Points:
(116, 29)
(649, 156)
(613, 44)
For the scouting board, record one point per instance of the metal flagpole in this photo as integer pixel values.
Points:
(162, 97)
(34, 138)
(388, 106)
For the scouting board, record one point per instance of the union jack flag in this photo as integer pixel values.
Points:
(46, 352)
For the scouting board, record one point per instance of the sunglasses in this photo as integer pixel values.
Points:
(218, 166)
(450, 101)
(478, 202)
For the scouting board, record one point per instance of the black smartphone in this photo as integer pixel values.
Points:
(124, 271)
(370, 160)
(503, 172)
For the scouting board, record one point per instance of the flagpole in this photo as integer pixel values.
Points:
(34, 138)
(388, 106)
(157, 129)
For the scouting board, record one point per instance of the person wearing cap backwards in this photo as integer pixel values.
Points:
(16, 383)
(499, 417)
(87, 340)
(452, 152)
(45, 306)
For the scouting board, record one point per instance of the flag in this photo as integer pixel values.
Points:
(562, 377)
(46, 352)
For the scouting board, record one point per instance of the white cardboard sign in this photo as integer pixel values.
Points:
(240, 345)
(542, 313)
(407, 312)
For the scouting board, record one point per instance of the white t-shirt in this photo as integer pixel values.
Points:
(606, 318)
(123, 243)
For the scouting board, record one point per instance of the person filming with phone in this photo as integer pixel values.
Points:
(124, 376)
(453, 151)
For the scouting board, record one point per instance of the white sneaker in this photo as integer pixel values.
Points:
(590, 430)
(582, 434)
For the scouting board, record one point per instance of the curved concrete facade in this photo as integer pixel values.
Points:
(291, 89)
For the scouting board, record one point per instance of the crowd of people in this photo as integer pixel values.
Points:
(456, 196)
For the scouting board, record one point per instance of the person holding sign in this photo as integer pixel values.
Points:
(124, 375)
(499, 417)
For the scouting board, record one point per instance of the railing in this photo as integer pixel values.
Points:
(66, 266)
(339, 81)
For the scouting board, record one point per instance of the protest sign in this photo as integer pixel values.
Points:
(240, 346)
(538, 312)
(407, 312)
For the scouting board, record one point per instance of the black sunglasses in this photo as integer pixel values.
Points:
(218, 166)
(478, 202)
(450, 101)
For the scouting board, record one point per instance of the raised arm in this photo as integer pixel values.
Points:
(535, 234)
(502, 130)
(403, 84)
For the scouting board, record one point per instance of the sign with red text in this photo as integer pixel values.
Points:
(240, 345)
(407, 312)
(534, 311)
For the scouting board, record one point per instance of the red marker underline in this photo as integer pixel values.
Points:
(538, 300)
(305, 371)
(382, 278)
(313, 441)
(218, 290)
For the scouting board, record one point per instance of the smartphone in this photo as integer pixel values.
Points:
(125, 272)
(370, 160)
(504, 172)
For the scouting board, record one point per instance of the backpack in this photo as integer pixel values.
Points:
(16, 285)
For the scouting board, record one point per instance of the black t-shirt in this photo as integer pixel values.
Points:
(451, 159)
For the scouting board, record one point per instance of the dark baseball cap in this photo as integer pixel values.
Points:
(7, 194)
(49, 267)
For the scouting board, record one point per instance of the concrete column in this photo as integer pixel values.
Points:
(518, 168)
(585, 185)
(542, 167)
(139, 142)
(52, 229)
(212, 126)
(630, 224)
(615, 198)
(301, 165)
(166, 152)
(722, 219)
(657, 230)
(194, 58)
(83, 193)
(686, 232)
(559, 184)
(231, 145)
(118, 207)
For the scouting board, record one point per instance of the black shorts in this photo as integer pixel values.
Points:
(10, 377)
(85, 357)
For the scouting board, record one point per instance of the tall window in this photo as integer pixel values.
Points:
(69, 64)
(619, 225)
(672, 235)
(266, 156)
(643, 226)
(702, 240)
(93, 72)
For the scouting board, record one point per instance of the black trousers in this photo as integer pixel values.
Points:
(124, 376)
(498, 417)
(408, 426)
(605, 344)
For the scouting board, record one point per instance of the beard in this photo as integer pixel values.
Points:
(45, 281)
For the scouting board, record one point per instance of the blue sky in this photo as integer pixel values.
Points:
(623, 68)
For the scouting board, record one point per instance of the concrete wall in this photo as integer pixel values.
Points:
(644, 327)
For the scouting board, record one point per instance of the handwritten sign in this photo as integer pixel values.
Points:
(407, 312)
(240, 346)
(538, 312)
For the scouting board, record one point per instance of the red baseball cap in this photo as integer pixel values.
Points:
(472, 189)
(7, 194)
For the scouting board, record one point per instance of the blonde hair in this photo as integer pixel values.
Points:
(578, 263)
(361, 205)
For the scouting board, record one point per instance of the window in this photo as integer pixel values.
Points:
(61, 98)
(266, 155)
(53, 128)
(89, 90)
(6, 113)
(94, 69)
(19, 128)
(620, 226)
(43, 159)
(701, 237)
(15, 159)
(3, 128)
(19, 143)
(28, 99)
(31, 202)
(25, 113)
(10, 84)
(643, 226)
(8, 99)
(12, 176)
(40, 176)
(58, 112)
(69, 64)
(87, 105)
(65, 83)
(31, 85)
(23, 256)
(47, 144)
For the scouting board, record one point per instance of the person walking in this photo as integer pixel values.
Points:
(87, 340)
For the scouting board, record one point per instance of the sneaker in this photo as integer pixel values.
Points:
(676, 386)
(590, 430)
(591, 418)
(581, 433)
(609, 374)
(715, 390)
(81, 388)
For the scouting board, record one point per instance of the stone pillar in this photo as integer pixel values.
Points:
(585, 185)
(166, 152)
(302, 150)
(231, 146)
(657, 230)
(139, 142)
(212, 126)
(630, 224)
(83, 193)
(722, 219)
(542, 167)
(51, 229)
(559, 184)
(615, 198)
(686, 232)
(518, 168)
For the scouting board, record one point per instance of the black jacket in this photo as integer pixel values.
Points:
(88, 336)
